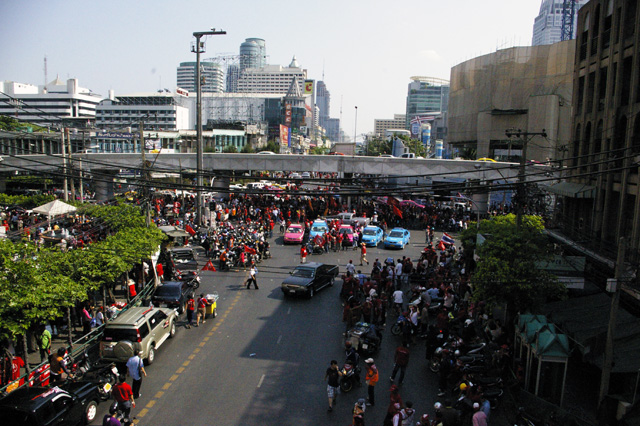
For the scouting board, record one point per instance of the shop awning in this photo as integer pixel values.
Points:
(573, 190)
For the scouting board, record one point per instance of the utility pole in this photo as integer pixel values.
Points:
(607, 364)
(524, 137)
(65, 184)
(199, 48)
(145, 178)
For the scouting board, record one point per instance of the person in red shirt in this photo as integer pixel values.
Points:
(191, 307)
(303, 254)
(123, 394)
(363, 254)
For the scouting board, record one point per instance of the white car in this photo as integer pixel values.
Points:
(306, 175)
(267, 153)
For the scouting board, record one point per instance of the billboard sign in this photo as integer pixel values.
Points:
(308, 87)
(285, 136)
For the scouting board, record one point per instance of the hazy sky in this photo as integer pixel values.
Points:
(368, 49)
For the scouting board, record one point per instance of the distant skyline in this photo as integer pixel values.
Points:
(367, 50)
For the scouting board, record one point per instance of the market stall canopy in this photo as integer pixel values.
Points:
(55, 208)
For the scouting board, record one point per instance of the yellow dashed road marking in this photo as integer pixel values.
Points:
(166, 386)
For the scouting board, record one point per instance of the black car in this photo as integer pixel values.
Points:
(308, 278)
(173, 294)
(70, 404)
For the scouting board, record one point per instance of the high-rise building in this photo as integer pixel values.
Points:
(380, 125)
(426, 95)
(233, 75)
(253, 54)
(50, 104)
(547, 27)
(271, 78)
(323, 102)
(601, 198)
(211, 75)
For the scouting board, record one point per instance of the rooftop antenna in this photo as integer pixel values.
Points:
(45, 70)
(340, 133)
(323, 70)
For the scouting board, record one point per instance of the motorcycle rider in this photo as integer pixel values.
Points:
(352, 358)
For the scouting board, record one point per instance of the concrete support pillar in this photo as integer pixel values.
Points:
(103, 183)
(3, 184)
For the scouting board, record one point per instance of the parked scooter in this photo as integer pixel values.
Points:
(348, 378)
(104, 375)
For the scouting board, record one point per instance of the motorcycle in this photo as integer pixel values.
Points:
(365, 337)
(104, 375)
(348, 378)
(396, 329)
(190, 277)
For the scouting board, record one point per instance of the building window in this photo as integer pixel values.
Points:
(602, 89)
(630, 18)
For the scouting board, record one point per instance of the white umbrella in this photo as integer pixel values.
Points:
(55, 208)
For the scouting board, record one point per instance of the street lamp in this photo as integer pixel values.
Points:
(199, 48)
(355, 127)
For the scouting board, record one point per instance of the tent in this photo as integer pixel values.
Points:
(55, 208)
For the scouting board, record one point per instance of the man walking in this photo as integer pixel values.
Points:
(191, 308)
(253, 272)
(202, 309)
(371, 379)
(363, 254)
(332, 376)
(136, 370)
(123, 394)
(401, 360)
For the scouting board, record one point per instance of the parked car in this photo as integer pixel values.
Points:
(347, 233)
(174, 295)
(73, 403)
(137, 329)
(184, 258)
(305, 175)
(397, 238)
(308, 278)
(318, 227)
(294, 234)
(372, 236)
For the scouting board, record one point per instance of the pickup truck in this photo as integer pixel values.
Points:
(308, 278)
(351, 219)
(74, 403)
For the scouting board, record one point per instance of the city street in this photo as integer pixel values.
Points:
(263, 359)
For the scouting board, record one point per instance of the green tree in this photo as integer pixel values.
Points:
(414, 146)
(33, 288)
(247, 149)
(230, 149)
(376, 147)
(316, 150)
(272, 146)
(506, 272)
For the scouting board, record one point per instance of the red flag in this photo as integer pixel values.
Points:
(209, 267)
(248, 249)
(392, 201)
(190, 230)
(396, 211)
(441, 246)
(160, 270)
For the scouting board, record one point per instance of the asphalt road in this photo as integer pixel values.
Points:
(262, 360)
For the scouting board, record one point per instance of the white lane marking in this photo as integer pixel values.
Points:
(279, 339)
(289, 310)
(261, 380)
